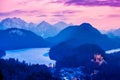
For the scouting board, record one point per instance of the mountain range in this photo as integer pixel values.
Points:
(75, 35)
(13, 23)
(61, 25)
(81, 34)
(43, 29)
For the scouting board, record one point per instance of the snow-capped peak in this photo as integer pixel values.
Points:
(44, 24)
(13, 23)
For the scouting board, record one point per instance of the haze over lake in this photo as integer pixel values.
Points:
(31, 55)
(36, 55)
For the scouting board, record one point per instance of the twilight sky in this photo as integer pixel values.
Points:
(102, 14)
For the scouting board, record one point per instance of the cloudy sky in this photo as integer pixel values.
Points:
(102, 14)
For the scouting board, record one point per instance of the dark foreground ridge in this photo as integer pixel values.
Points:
(93, 66)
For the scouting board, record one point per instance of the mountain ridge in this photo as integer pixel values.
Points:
(43, 28)
(81, 34)
(15, 38)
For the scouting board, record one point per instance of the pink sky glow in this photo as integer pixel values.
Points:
(102, 14)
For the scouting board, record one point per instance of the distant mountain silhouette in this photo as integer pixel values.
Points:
(15, 38)
(13, 23)
(61, 25)
(114, 33)
(45, 29)
(84, 33)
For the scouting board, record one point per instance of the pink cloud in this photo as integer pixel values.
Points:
(113, 3)
(58, 15)
(102, 16)
(42, 15)
(114, 15)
